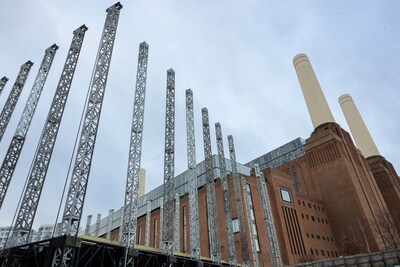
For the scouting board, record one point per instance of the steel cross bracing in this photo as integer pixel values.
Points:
(13, 97)
(168, 220)
(130, 209)
(250, 222)
(109, 223)
(81, 170)
(97, 229)
(148, 216)
(88, 223)
(3, 83)
(226, 197)
(211, 197)
(192, 174)
(275, 254)
(37, 174)
(15, 148)
(238, 202)
(177, 236)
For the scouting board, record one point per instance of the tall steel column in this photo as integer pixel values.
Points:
(250, 222)
(37, 174)
(130, 209)
(15, 148)
(226, 196)
(148, 217)
(109, 223)
(211, 197)
(88, 223)
(192, 173)
(239, 204)
(81, 170)
(168, 220)
(275, 253)
(161, 222)
(177, 218)
(3, 83)
(13, 97)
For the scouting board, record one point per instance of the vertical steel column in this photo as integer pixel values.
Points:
(88, 223)
(192, 174)
(211, 197)
(239, 204)
(15, 147)
(3, 83)
(96, 231)
(226, 196)
(148, 217)
(161, 222)
(168, 220)
(250, 222)
(275, 253)
(41, 161)
(129, 220)
(109, 223)
(177, 234)
(13, 97)
(83, 161)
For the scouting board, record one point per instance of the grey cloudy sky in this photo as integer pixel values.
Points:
(236, 56)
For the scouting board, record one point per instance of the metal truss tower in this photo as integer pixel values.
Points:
(226, 196)
(148, 217)
(3, 83)
(275, 253)
(37, 175)
(168, 220)
(193, 186)
(177, 218)
(15, 148)
(81, 170)
(250, 222)
(238, 201)
(211, 197)
(109, 223)
(130, 209)
(13, 97)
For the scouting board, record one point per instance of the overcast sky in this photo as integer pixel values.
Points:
(236, 56)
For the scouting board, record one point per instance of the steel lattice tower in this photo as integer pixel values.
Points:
(148, 217)
(250, 222)
(275, 254)
(226, 198)
(13, 97)
(81, 170)
(3, 83)
(15, 148)
(168, 220)
(192, 173)
(130, 209)
(177, 236)
(37, 175)
(211, 197)
(239, 204)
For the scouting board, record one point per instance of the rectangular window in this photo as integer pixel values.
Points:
(322, 252)
(155, 233)
(235, 225)
(312, 252)
(309, 205)
(285, 195)
(184, 229)
(313, 218)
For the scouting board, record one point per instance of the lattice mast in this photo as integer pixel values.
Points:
(250, 222)
(81, 170)
(130, 209)
(13, 97)
(275, 253)
(192, 173)
(3, 83)
(226, 196)
(15, 148)
(177, 218)
(239, 203)
(109, 223)
(41, 161)
(168, 220)
(148, 217)
(211, 197)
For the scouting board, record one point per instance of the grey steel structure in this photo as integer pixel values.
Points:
(192, 173)
(239, 204)
(3, 83)
(148, 217)
(250, 222)
(275, 253)
(226, 198)
(80, 175)
(109, 223)
(37, 174)
(96, 232)
(161, 221)
(168, 220)
(15, 148)
(88, 223)
(13, 97)
(211, 197)
(177, 220)
(129, 222)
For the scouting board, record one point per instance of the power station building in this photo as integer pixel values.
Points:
(327, 195)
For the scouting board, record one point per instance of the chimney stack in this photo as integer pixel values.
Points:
(315, 99)
(358, 129)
